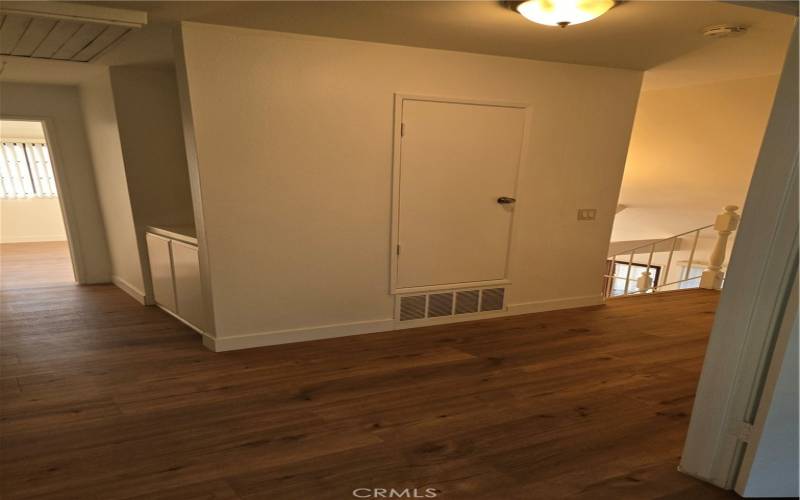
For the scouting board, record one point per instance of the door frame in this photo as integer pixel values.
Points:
(63, 192)
(754, 301)
(785, 331)
(396, 160)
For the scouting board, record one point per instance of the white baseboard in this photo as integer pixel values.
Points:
(129, 289)
(219, 344)
(555, 304)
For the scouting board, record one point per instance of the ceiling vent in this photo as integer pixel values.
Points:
(63, 31)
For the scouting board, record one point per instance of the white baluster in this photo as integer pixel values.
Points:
(644, 282)
(649, 281)
(628, 274)
(611, 273)
(664, 274)
(726, 223)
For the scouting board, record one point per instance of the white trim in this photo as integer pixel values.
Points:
(453, 286)
(276, 337)
(219, 344)
(396, 166)
(396, 157)
(129, 289)
(461, 100)
(556, 304)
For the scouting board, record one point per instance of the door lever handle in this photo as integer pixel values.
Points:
(505, 200)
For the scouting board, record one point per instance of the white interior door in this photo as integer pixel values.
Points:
(456, 163)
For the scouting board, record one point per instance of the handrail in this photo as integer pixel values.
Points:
(658, 242)
(711, 278)
(665, 270)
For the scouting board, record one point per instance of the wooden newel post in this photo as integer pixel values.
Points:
(726, 223)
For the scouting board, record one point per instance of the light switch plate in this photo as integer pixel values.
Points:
(587, 213)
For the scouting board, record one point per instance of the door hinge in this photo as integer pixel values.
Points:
(402, 130)
(398, 249)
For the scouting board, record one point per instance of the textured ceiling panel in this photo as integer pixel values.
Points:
(37, 30)
(67, 32)
(11, 31)
(82, 38)
(57, 37)
(110, 35)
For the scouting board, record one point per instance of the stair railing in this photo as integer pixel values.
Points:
(711, 278)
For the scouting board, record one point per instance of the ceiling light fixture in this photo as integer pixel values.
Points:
(563, 12)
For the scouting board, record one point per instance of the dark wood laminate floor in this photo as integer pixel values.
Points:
(105, 399)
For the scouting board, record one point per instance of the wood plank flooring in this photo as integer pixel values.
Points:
(26, 265)
(104, 399)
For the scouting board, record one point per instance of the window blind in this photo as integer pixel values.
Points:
(26, 171)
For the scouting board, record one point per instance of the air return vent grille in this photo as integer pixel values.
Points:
(492, 299)
(440, 304)
(412, 307)
(450, 303)
(467, 301)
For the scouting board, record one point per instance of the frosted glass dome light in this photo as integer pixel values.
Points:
(563, 12)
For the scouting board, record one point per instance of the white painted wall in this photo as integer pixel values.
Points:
(692, 151)
(60, 106)
(151, 138)
(148, 114)
(112, 186)
(294, 154)
(31, 219)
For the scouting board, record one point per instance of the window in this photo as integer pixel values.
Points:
(693, 279)
(620, 271)
(25, 171)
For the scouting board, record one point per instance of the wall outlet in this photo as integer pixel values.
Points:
(587, 213)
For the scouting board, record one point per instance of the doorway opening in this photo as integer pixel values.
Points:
(34, 247)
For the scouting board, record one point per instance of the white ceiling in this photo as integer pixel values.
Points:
(635, 34)
(759, 52)
(662, 36)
